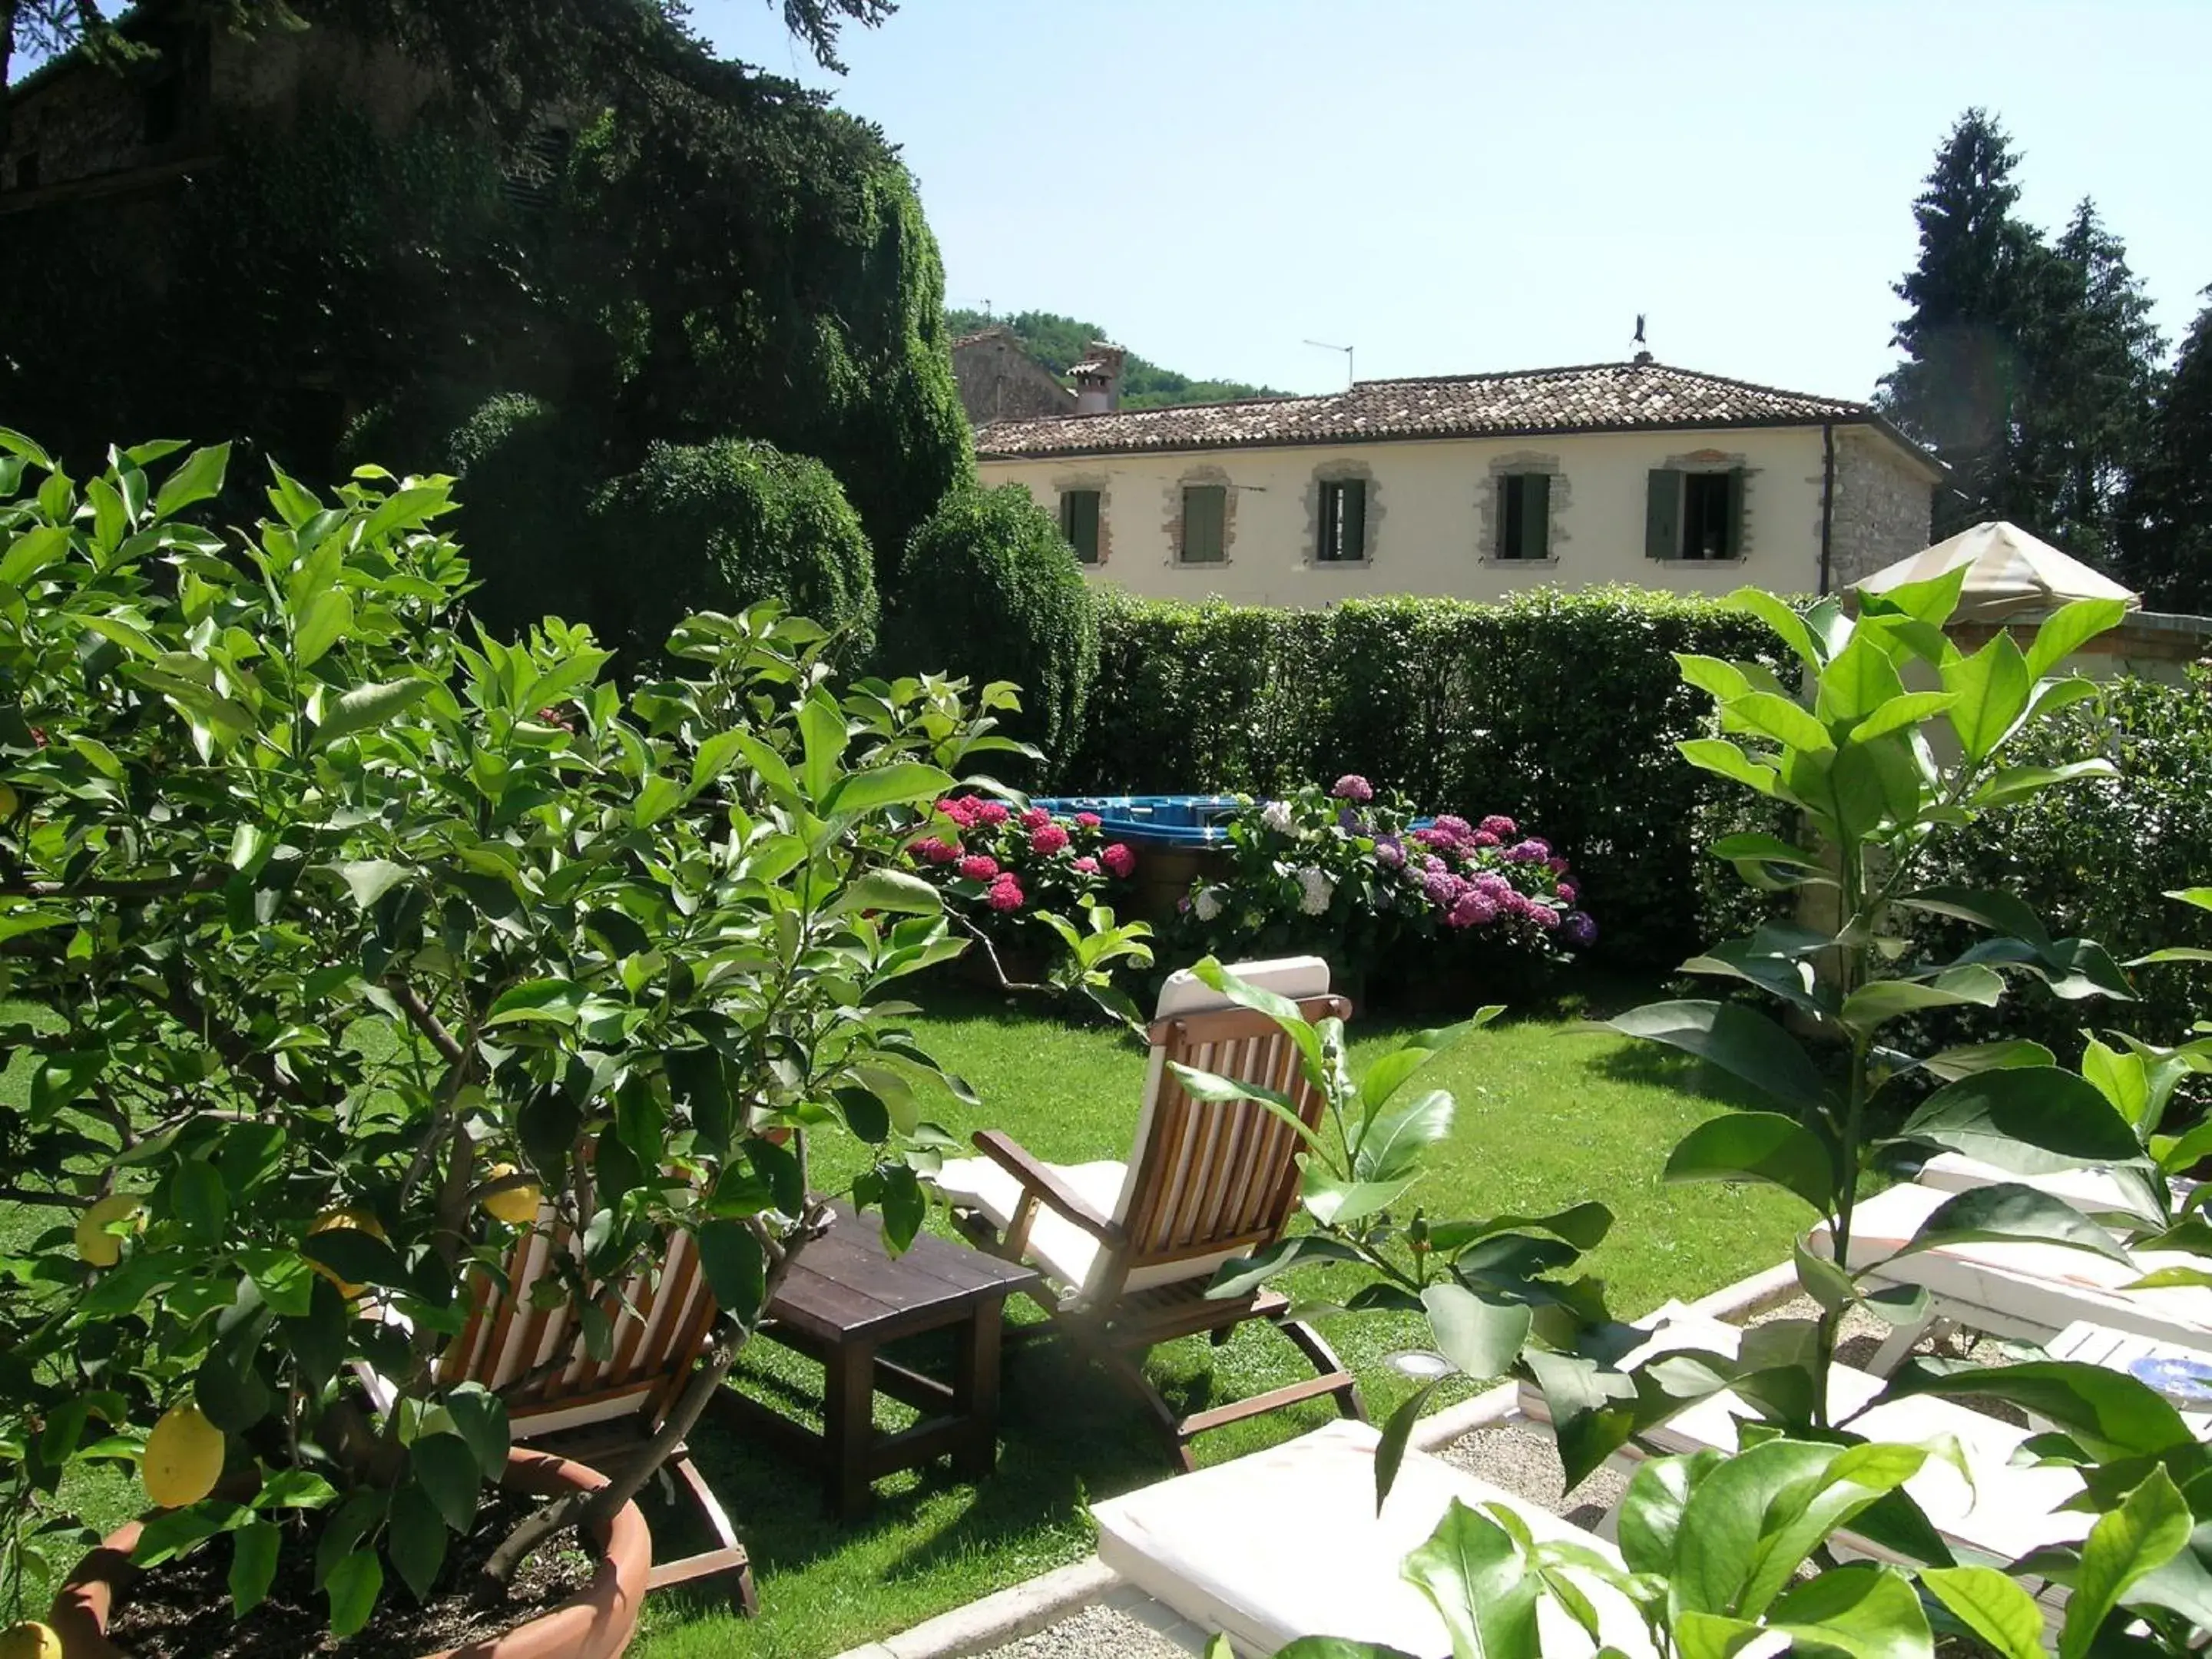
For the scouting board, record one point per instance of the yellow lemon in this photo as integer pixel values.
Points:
(184, 1458)
(351, 1218)
(94, 1242)
(8, 803)
(30, 1640)
(516, 1206)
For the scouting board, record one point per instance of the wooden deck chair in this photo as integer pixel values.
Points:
(600, 1411)
(1129, 1248)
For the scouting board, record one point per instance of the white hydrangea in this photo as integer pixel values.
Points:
(1276, 814)
(1207, 904)
(1319, 890)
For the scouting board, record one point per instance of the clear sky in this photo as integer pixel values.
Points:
(1451, 186)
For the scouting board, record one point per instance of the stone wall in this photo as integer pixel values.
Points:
(1000, 381)
(1884, 504)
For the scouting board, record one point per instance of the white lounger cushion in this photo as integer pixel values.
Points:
(2039, 1287)
(2094, 1191)
(2005, 1513)
(1285, 1542)
(1067, 1253)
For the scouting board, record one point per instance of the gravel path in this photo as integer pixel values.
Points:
(1112, 1629)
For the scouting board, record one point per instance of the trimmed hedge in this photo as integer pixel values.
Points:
(989, 590)
(1559, 709)
(2095, 858)
(721, 526)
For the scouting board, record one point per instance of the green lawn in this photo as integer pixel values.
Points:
(1548, 1115)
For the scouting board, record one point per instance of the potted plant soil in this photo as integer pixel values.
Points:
(343, 948)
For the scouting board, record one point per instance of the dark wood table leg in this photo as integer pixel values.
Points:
(848, 1414)
(975, 1389)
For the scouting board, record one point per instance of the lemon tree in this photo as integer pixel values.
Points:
(349, 940)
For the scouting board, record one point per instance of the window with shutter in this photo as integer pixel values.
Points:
(1078, 522)
(1204, 523)
(1524, 516)
(1341, 536)
(1662, 514)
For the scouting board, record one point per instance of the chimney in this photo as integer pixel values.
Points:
(1098, 379)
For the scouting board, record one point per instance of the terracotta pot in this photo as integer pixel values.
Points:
(595, 1623)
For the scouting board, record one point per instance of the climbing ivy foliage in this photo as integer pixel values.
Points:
(703, 252)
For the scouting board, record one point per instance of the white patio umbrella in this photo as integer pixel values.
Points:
(2010, 574)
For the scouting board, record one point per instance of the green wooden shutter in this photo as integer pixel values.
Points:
(1352, 539)
(1536, 515)
(1078, 522)
(1734, 545)
(1662, 514)
(1205, 511)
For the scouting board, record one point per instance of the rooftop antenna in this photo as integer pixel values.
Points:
(1643, 350)
(1349, 379)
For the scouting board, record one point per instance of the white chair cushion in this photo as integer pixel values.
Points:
(2047, 1286)
(1064, 1250)
(1285, 1542)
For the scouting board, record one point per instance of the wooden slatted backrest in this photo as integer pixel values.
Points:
(538, 1360)
(1218, 1179)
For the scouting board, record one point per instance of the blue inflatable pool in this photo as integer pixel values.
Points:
(1153, 820)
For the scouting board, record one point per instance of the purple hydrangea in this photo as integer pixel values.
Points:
(1443, 888)
(1351, 823)
(1390, 853)
(1579, 930)
(1531, 851)
(1491, 883)
(1353, 787)
(1434, 865)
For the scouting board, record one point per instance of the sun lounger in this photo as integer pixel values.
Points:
(1286, 1542)
(2002, 1514)
(2028, 1290)
(2092, 1191)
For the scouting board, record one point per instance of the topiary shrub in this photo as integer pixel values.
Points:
(529, 472)
(989, 590)
(720, 526)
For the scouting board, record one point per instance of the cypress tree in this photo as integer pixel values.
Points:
(2166, 535)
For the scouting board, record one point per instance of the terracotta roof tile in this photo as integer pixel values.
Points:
(1599, 397)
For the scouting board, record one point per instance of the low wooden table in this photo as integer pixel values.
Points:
(843, 1300)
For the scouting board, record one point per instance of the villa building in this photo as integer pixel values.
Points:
(1473, 485)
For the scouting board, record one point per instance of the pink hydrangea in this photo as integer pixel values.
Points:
(991, 811)
(1088, 820)
(1353, 787)
(961, 808)
(1118, 858)
(1443, 889)
(1005, 894)
(978, 866)
(1558, 867)
(1087, 865)
(934, 849)
(1500, 825)
(1544, 916)
(1454, 828)
(1047, 838)
(1471, 910)
(1035, 817)
(1482, 838)
(1567, 891)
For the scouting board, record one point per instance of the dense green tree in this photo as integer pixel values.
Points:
(2166, 538)
(2098, 367)
(1963, 386)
